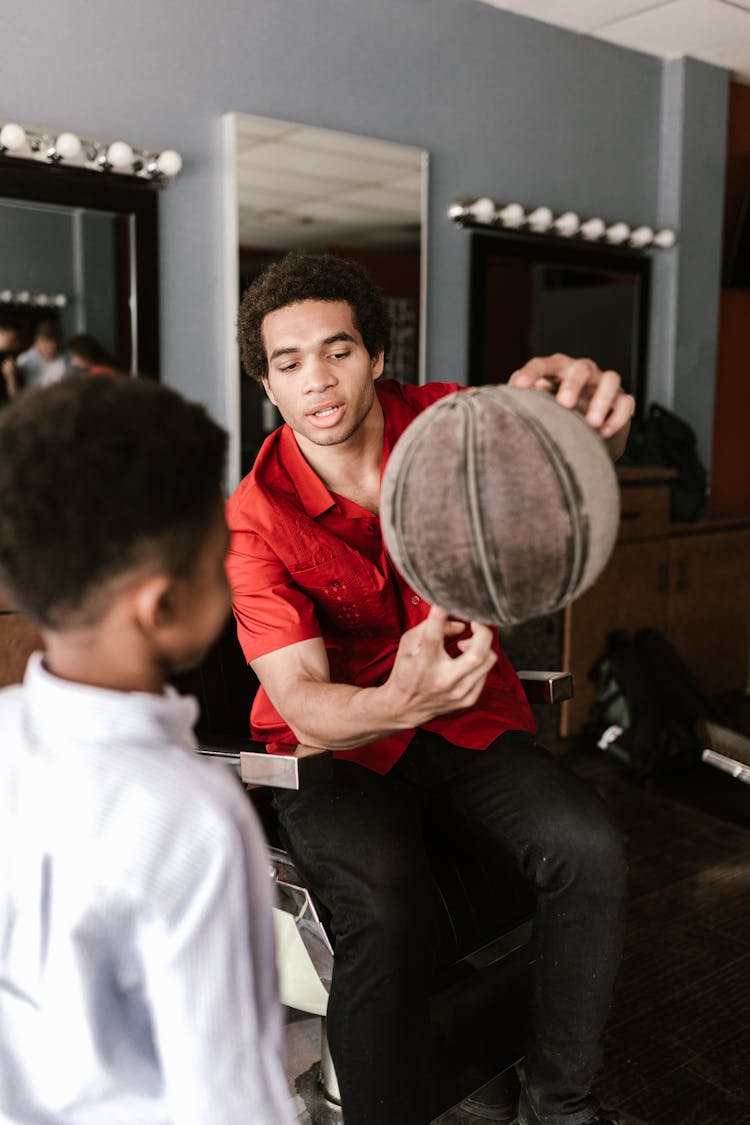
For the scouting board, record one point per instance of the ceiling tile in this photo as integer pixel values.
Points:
(364, 148)
(296, 181)
(348, 212)
(711, 30)
(403, 203)
(576, 15)
(715, 31)
(303, 161)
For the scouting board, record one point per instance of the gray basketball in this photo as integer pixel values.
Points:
(499, 505)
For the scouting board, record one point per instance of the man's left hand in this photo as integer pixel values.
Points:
(579, 384)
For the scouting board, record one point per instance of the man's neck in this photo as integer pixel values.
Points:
(352, 467)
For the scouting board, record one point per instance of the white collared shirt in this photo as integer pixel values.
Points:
(137, 970)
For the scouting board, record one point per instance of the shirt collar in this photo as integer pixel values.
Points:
(73, 713)
(314, 496)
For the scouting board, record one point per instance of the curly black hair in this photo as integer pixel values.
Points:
(98, 477)
(310, 277)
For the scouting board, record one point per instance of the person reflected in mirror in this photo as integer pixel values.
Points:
(86, 354)
(44, 362)
(415, 707)
(10, 347)
(137, 955)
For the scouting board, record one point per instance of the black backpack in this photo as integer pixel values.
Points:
(648, 706)
(662, 439)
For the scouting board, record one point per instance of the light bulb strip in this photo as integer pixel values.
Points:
(28, 142)
(481, 211)
(33, 300)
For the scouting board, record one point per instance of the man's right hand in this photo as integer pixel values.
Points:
(426, 681)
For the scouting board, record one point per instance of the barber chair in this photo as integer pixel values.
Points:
(483, 909)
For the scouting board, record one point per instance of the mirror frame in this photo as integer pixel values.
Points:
(101, 191)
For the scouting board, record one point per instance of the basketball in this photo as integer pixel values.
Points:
(499, 505)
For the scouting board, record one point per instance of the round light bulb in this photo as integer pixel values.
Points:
(540, 219)
(169, 162)
(119, 154)
(23, 297)
(617, 233)
(68, 146)
(593, 229)
(665, 239)
(641, 236)
(456, 211)
(512, 215)
(12, 137)
(483, 209)
(567, 224)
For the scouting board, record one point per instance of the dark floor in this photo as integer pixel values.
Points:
(677, 1051)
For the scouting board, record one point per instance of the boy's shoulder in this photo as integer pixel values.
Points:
(11, 712)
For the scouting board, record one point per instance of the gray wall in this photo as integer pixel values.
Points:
(506, 107)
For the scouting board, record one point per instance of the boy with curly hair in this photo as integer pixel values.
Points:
(137, 976)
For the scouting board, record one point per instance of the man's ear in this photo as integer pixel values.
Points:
(154, 602)
(377, 363)
(267, 389)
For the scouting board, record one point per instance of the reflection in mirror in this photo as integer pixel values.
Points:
(304, 188)
(70, 267)
(534, 296)
(79, 260)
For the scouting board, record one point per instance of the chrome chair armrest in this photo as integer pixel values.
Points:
(546, 687)
(303, 767)
(257, 768)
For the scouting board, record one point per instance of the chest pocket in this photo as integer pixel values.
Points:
(347, 591)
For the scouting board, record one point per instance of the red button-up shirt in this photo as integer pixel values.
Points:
(305, 562)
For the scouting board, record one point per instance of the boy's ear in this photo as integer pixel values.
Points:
(267, 389)
(154, 602)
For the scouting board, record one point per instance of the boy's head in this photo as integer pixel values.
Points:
(310, 277)
(103, 483)
(48, 339)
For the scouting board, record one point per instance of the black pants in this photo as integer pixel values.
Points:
(358, 841)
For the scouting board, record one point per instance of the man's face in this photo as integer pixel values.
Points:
(47, 347)
(320, 374)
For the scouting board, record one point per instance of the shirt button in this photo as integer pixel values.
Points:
(372, 528)
(414, 599)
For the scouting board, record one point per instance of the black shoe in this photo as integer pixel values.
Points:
(495, 1102)
(526, 1115)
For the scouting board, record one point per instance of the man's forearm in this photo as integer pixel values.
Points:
(342, 716)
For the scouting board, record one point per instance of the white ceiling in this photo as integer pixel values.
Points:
(716, 31)
(300, 186)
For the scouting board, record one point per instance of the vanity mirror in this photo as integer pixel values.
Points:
(532, 296)
(294, 187)
(80, 248)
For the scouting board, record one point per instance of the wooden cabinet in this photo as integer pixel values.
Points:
(690, 581)
(18, 639)
(708, 605)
